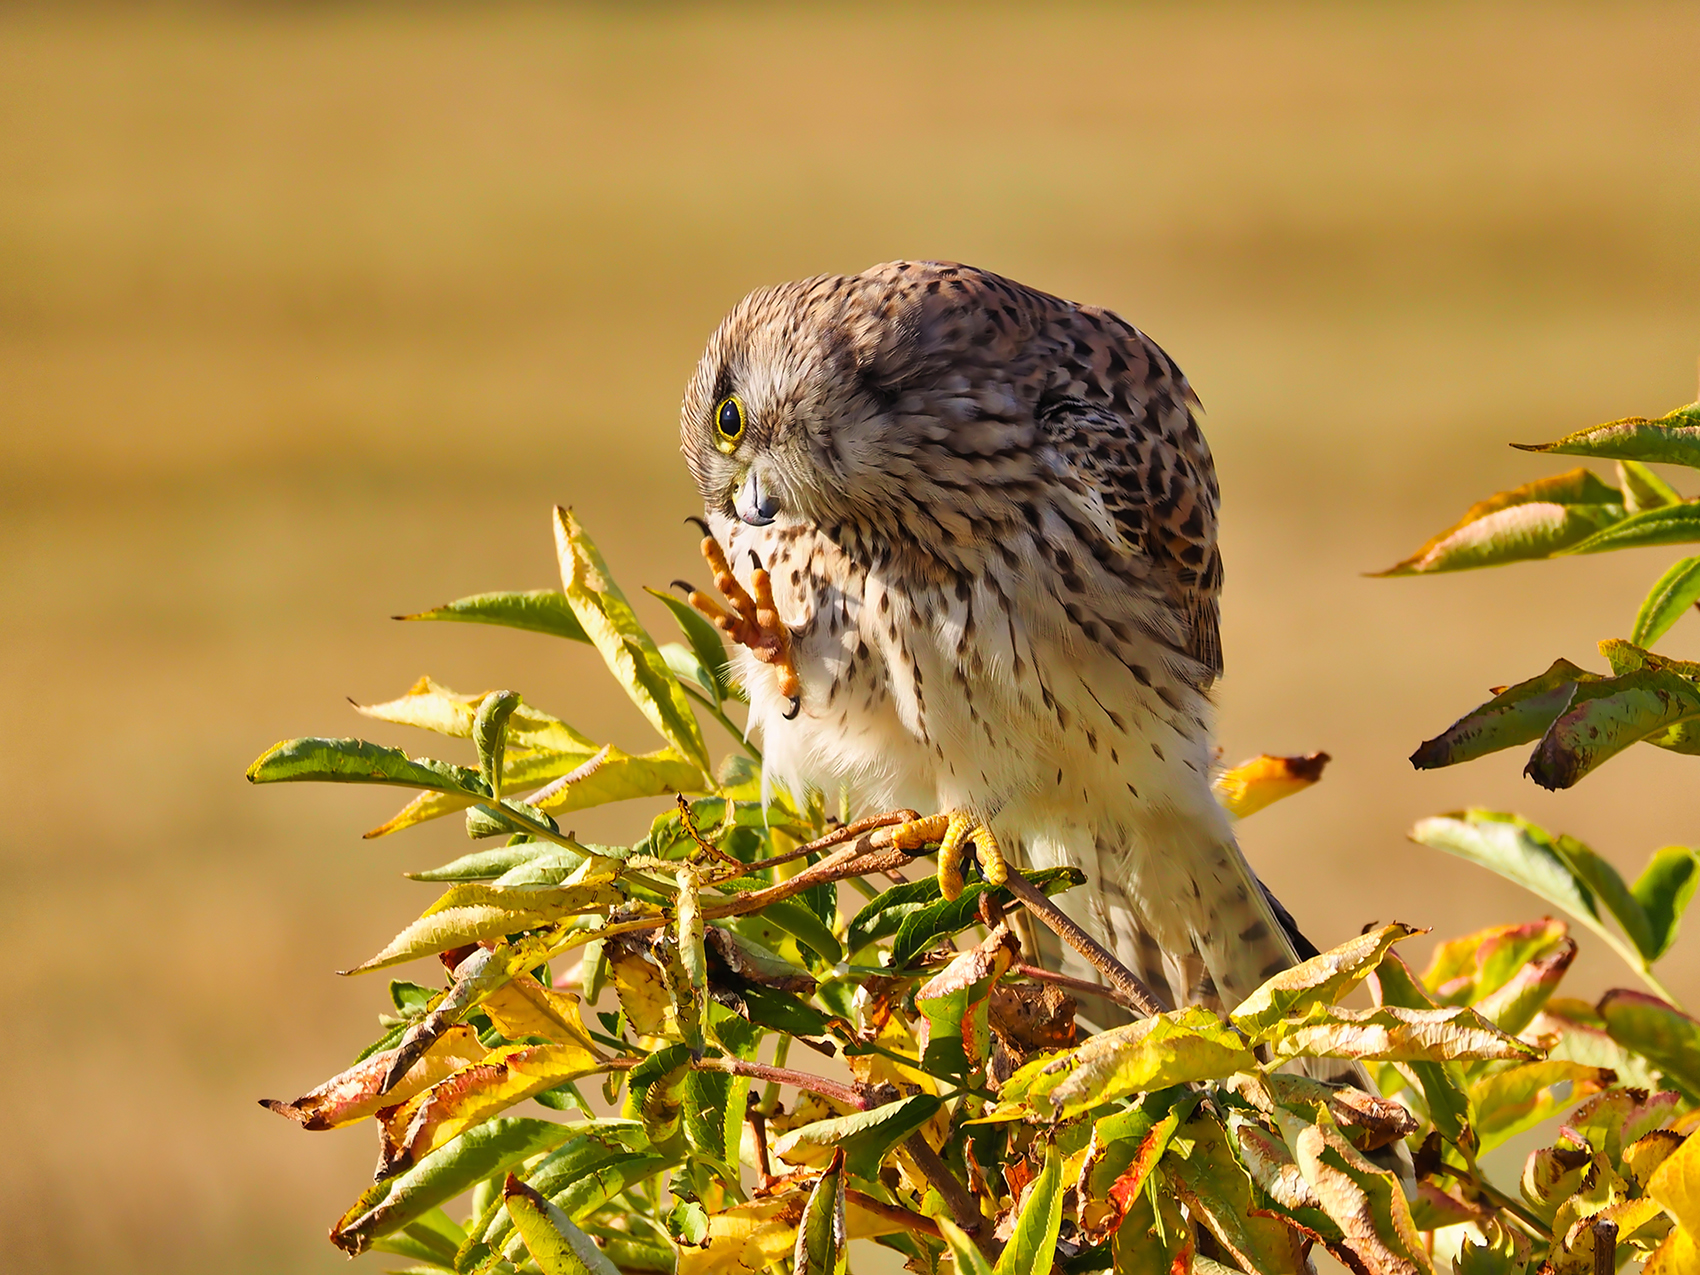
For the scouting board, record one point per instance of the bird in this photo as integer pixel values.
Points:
(981, 524)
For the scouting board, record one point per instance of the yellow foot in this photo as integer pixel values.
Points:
(752, 622)
(955, 833)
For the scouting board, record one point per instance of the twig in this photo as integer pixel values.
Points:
(1080, 985)
(856, 1097)
(963, 1209)
(758, 1129)
(837, 837)
(1137, 994)
(1605, 1246)
(893, 1213)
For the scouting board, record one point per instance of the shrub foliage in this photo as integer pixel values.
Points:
(761, 1033)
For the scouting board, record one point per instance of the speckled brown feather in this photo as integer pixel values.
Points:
(996, 552)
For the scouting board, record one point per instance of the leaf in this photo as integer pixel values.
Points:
(1032, 1244)
(1216, 1189)
(1465, 970)
(354, 761)
(942, 918)
(555, 1244)
(865, 1137)
(1675, 1184)
(626, 648)
(490, 735)
(1667, 525)
(1514, 1005)
(1671, 595)
(1509, 1102)
(1642, 488)
(683, 663)
(803, 925)
(1663, 1034)
(823, 1247)
(1366, 1203)
(1671, 439)
(476, 1092)
(1321, 980)
(1155, 1238)
(1519, 714)
(431, 706)
(525, 1007)
(358, 1092)
(472, 913)
(1166, 1049)
(1125, 1148)
(704, 639)
(968, 1258)
(1264, 780)
(1514, 848)
(1393, 1034)
(1448, 1105)
(494, 1147)
(1607, 716)
(432, 1239)
(956, 1006)
(1664, 889)
(641, 985)
(1532, 521)
(484, 865)
(537, 610)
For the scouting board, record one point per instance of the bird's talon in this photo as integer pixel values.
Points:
(699, 522)
(752, 622)
(955, 834)
(796, 707)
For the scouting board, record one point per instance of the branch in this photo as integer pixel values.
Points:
(855, 1097)
(1041, 975)
(1136, 993)
(892, 1213)
(964, 1211)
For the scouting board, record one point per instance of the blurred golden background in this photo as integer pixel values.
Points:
(308, 314)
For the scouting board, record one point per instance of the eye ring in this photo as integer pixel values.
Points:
(729, 422)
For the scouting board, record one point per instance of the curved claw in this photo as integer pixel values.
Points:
(686, 585)
(701, 523)
(956, 833)
(790, 714)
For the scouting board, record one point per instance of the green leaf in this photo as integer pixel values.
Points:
(472, 913)
(1608, 888)
(626, 648)
(1642, 488)
(969, 1259)
(1607, 716)
(354, 761)
(1448, 1105)
(1218, 1191)
(1166, 1049)
(920, 929)
(704, 639)
(1535, 520)
(823, 1244)
(1664, 889)
(1672, 594)
(490, 735)
(1393, 1034)
(802, 924)
(1032, 1245)
(1514, 1005)
(885, 913)
(1671, 439)
(864, 1136)
(1321, 980)
(485, 865)
(1667, 525)
(1517, 850)
(1519, 714)
(556, 1245)
(1464, 970)
(1509, 1102)
(1661, 1033)
(537, 610)
(692, 675)
(956, 1006)
(1365, 1202)
(493, 1147)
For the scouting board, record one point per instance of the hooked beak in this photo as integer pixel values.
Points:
(755, 505)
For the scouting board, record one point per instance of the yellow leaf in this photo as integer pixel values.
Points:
(434, 707)
(1265, 779)
(358, 1092)
(749, 1238)
(1675, 1184)
(472, 913)
(525, 1007)
(1321, 980)
(473, 1094)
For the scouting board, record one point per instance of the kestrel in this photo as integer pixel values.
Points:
(987, 519)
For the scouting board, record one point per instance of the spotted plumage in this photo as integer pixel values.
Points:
(989, 516)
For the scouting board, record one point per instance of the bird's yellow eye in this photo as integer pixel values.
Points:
(729, 422)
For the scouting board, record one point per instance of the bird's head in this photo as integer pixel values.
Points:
(835, 398)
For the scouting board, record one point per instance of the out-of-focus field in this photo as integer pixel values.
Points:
(307, 316)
